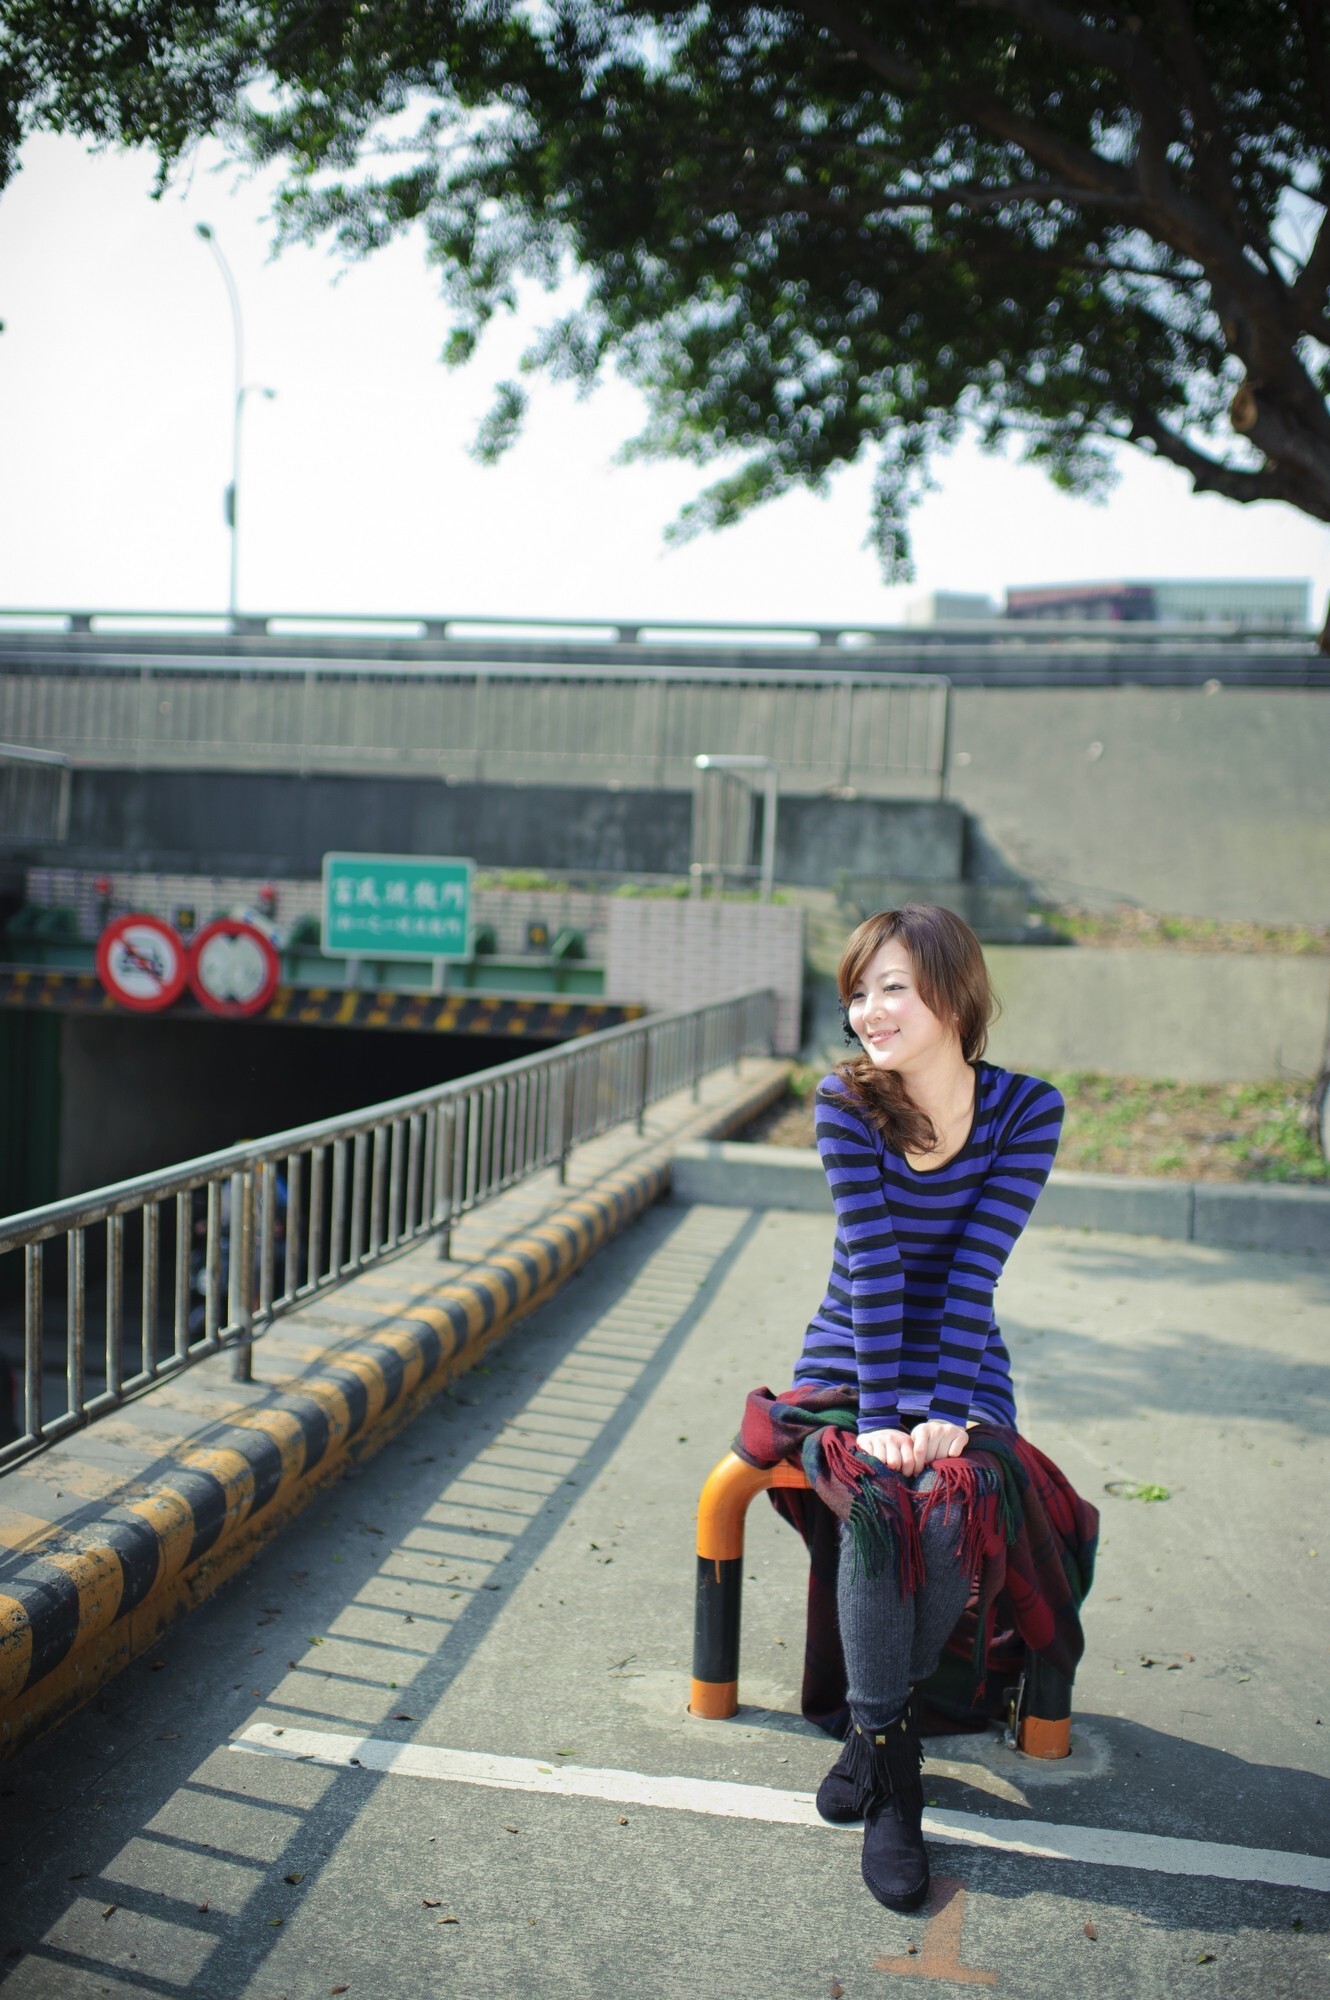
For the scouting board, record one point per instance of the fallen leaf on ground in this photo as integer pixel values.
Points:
(508, 1827)
(622, 1820)
(275, 1923)
(1205, 1958)
(203, 1909)
(430, 1902)
(836, 1990)
(450, 1920)
(1091, 1930)
(339, 1989)
(293, 1878)
(81, 1876)
(402, 1716)
(109, 1911)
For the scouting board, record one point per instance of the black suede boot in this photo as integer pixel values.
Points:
(838, 1797)
(877, 1776)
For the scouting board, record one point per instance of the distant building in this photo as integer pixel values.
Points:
(941, 607)
(1284, 603)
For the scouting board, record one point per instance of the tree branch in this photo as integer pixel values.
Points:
(1207, 474)
(799, 196)
(1076, 164)
(1316, 35)
(1313, 282)
(1115, 52)
(1211, 144)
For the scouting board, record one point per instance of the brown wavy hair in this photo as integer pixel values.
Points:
(949, 970)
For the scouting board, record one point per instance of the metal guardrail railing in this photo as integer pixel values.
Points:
(34, 796)
(443, 628)
(199, 1258)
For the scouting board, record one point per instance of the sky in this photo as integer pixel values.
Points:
(357, 490)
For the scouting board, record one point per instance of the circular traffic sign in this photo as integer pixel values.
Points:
(141, 962)
(233, 968)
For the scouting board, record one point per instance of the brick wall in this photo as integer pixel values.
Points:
(679, 954)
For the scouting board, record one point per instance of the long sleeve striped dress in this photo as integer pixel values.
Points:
(908, 1314)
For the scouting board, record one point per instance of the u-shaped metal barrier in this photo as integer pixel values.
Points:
(1042, 1705)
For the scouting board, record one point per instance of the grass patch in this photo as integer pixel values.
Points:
(1131, 1125)
(1188, 1131)
(1123, 925)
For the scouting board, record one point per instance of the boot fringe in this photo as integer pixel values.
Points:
(887, 1763)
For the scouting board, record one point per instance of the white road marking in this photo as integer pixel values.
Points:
(1099, 1846)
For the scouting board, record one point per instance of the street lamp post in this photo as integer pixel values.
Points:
(242, 389)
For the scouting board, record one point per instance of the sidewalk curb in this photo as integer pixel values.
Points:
(86, 1595)
(1223, 1214)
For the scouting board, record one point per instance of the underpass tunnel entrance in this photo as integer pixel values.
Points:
(139, 1094)
(90, 1100)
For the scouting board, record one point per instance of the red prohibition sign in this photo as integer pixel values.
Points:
(233, 968)
(141, 962)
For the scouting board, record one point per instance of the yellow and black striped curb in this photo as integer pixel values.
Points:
(87, 1594)
(536, 1016)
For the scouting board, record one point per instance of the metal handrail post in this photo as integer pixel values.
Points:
(567, 1113)
(643, 1079)
(242, 1274)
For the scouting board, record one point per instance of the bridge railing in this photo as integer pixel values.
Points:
(133, 1283)
(479, 722)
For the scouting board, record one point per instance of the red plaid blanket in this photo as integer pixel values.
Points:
(1023, 1533)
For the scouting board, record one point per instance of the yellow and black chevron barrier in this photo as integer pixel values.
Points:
(529, 1016)
(84, 1596)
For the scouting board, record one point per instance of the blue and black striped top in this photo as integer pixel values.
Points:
(908, 1314)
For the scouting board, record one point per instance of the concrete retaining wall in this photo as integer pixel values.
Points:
(1197, 1017)
(1230, 1216)
(1205, 804)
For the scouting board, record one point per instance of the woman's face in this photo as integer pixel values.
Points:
(887, 1012)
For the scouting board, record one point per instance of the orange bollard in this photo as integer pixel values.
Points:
(722, 1511)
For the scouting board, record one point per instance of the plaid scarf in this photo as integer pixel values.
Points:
(1023, 1536)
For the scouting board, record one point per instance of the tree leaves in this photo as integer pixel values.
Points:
(806, 231)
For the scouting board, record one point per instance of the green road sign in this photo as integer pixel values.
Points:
(396, 906)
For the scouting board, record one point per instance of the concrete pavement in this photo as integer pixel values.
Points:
(512, 1576)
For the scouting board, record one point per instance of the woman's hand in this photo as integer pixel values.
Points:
(894, 1449)
(937, 1439)
(908, 1452)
